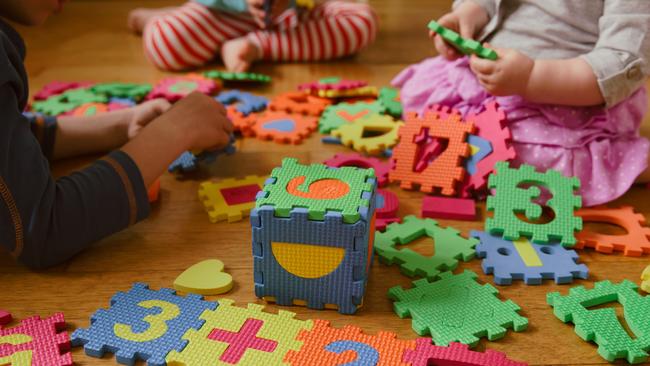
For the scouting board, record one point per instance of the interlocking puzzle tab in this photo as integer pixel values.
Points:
(233, 335)
(390, 99)
(327, 346)
(463, 45)
(230, 199)
(456, 308)
(36, 341)
(381, 129)
(602, 325)
(142, 324)
(523, 260)
(313, 231)
(634, 243)
(515, 191)
(456, 354)
(449, 246)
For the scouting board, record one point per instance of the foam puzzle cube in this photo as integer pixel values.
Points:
(313, 230)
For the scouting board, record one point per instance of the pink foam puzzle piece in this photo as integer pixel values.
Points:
(239, 195)
(5, 317)
(239, 342)
(449, 208)
(47, 340)
(355, 159)
(456, 354)
(59, 87)
(387, 207)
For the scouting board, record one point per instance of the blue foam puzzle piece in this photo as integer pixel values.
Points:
(283, 125)
(484, 149)
(344, 286)
(331, 140)
(189, 162)
(126, 101)
(503, 260)
(248, 103)
(100, 337)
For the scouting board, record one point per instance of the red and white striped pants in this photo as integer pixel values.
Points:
(192, 35)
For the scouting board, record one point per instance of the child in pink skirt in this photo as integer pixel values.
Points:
(570, 76)
(193, 34)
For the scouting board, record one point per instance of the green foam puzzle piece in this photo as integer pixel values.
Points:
(389, 98)
(337, 115)
(463, 45)
(71, 99)
(449, 247)
(309, 193)
(456, 308)
(601, 325)
(510, 198)
(123, 90)
(237, 76)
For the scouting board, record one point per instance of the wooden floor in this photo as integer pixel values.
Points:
(89, 42)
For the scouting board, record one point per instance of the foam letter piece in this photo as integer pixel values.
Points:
(449, 208)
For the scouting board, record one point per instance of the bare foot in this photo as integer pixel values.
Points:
(138, 18)
(239, 54)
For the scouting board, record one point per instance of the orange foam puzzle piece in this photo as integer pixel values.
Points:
(325, 346)
(241, 123)
(300, 103)
(283, 127)
(446, 170)
(633, 244)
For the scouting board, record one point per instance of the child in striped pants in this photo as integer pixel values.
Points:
(189, 36)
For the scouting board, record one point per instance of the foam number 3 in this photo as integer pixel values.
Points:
(21, 358)
(157, 322)
(366, 355)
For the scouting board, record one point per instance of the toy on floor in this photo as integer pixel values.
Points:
(343, 113)
(386, 209)
(449, 208)
(242, 336)
(463, 45)
(353, 159)
(389, 98)
(35, 341)
(645, 278)
(300, 103)
(237, 76)
(59, 87)
(67, 101)
(142, 324)
(602, 325)
(446, 171)
(189, 162)
(364, 91)
(635, 242)
(324, 345)
(313, 231)
(154, 191)
(5, 317)
(283, 127)
(456, 308)
(241, 124)
(331, 83)
(509, 197)
(372, 134)
(456, 354)
(176, 87)
(449, 247)
(230, 199)
(204, 278)
(132, 91)
(245, 103)
(523, 260)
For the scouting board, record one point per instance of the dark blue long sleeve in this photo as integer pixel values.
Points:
(44, 221)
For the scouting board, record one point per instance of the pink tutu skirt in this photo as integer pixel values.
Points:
(600, 146)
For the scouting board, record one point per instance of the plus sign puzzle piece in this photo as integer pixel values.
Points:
(283, 127)
(177, 87)
(449, 247)
(230, 199)
(36, 341)
(509, 198)
(635, 242)
(522, 260)
(456, 308)
(123, 90)
(463, 45)
(602, 325)
(327, 346)
(142, 324)
(456, 354)
(245, 103)
(343, 113)
(383, 133)
(240, 336)
(354, 159)
(67, 101)
(389, 98)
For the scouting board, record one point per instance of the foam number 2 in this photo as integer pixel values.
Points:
(366, 355)
(157, 322)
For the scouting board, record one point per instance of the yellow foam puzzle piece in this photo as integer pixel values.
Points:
(527, 253)
(364, 91)
(307, 261)
(351, 134)
(645, 278)
(205, 278)
(210, 194)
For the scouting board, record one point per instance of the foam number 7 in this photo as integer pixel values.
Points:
(157, 322)
(366, 355)
(21, 358)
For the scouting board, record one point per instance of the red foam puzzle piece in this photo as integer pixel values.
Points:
(387, 214)
(154, 191)
(357, 160)
(239, 195)
(456, 354)
(449, 208)
(48, 341)
(5, 317)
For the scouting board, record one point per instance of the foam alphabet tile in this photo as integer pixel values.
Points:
(635, 242)
(523, 260)
(456, 308)
(176, 87)
(456, 354)
(509, 198)
(142, 324)
(463, 45)
(387, 206)
(343, 113)
(354, 159)
(327, 346)
(36, 341)
(230, 199)
(382, 130)
(232, 335)
(481, 148)
(283, 127)
(245, 103)
(299, 103)
(602, 325)
(449, 246)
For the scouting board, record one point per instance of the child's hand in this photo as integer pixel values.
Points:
(256, 8)
(467, 20)
(508, 75)
(142, 114)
